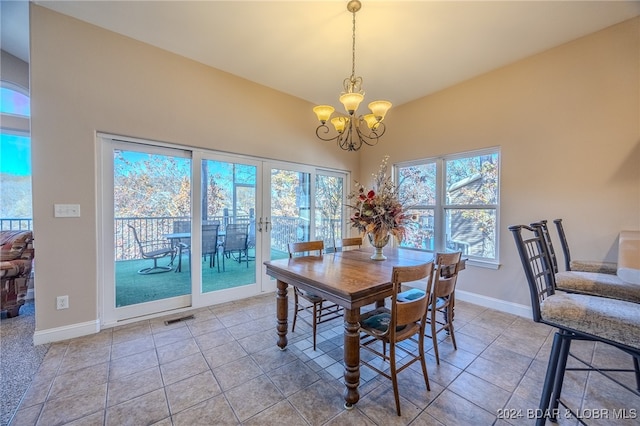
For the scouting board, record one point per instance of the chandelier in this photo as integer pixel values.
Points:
(353, 131)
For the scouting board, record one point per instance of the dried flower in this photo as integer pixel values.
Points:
(379, 210)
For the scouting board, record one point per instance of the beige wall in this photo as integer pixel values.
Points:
(567, 122)
(85, 79)
(568, 125)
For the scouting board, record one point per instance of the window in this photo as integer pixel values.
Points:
(457, 205)
(15, 157)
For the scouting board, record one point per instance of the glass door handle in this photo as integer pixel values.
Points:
(265, 223)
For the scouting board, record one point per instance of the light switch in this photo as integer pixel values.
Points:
(66, 210)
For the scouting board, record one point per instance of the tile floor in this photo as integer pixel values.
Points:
(223, 367)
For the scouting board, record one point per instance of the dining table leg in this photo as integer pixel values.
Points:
(282, 308)
(351, 356)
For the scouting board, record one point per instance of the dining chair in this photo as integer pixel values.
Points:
(153, 249)
(234, 244)
(351, 242)
(442, 298)
(401, 322)
(580, 265)
(588, 281)
(320, 309)
(577, 317)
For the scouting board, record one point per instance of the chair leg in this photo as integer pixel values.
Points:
(562, 366)
(552, 367)
(453, 335)
(295, 310)
(636, 368)
(179, 267)
(434, 338)
(423, 360)
(394, 375)
(315, 323)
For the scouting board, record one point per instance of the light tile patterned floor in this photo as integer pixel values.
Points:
(223, 367)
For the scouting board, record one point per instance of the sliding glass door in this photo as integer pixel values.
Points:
(227, 261)
(149, 191)
(190, 228)
(303, 204)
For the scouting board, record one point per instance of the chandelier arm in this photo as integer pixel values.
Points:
(345, 140)
(325, 130)
(368, 139)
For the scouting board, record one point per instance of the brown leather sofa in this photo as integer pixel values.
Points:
(16, 261)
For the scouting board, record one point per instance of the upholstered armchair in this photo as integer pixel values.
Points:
(16, 257)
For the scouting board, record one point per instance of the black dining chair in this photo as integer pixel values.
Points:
(577, 317)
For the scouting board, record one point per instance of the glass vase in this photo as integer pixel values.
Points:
(378, 241)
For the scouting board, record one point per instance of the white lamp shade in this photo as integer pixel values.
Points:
(323, 112)
(351, 101)
(379, 108)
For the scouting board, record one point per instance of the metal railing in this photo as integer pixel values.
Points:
(283, 230)
(16, 224)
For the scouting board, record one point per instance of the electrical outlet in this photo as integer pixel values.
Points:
(62, 302)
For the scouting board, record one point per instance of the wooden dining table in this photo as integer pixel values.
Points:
(350, 279)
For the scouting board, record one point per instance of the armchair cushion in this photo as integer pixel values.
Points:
(15, 269)
(14, 244)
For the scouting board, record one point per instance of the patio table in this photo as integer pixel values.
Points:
(175, 240)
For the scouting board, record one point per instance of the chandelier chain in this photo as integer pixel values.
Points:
(353, 48)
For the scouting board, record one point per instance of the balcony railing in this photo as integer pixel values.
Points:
(16, 224)
(283, 230)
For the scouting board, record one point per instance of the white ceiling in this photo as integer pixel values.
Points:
(404, 49)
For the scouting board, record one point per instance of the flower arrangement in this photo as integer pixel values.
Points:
(380, 210)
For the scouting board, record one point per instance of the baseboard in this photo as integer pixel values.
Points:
(67, 332)
(497, 304)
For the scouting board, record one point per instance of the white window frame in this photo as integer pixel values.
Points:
(440, 207)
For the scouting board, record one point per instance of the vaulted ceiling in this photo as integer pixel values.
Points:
(404, 49)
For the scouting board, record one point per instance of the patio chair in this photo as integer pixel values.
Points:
(235, 244)
(321, 310)
(578, 317)
(154, 249)
(401, 322)
(210, 243)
